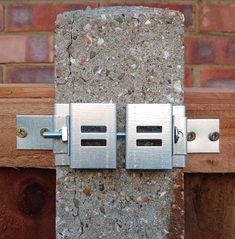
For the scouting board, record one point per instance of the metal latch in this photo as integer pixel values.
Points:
(84, 136)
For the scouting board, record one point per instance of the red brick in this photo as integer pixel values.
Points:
(40, 49)
(187, 9)
(30, 74)
(13, 49)
(188, 77)
(21, 48)
(1, 18)
(38, 17)
(217, 17)
(209, 50)
(218, 77)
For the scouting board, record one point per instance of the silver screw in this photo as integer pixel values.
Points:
(21, 133)
(214, 136)
(191, 136)
(43, 130)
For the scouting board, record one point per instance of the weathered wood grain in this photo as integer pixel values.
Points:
(209, 96)
(27, 91)
(27, 208)
(209, 206)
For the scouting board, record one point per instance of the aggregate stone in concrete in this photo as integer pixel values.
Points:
(122, 55)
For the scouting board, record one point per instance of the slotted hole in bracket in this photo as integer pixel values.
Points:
(93, 142)
(149, 142)
(93, 129)
(149, 129)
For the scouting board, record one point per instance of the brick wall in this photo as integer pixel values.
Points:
(26, 38)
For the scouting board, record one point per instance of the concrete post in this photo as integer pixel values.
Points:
(122, 55)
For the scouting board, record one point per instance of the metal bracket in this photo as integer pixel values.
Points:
(205, 135)
(30, 131)
(83, 136)
(93, 136)
(149, 136)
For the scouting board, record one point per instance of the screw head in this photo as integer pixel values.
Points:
(191, 136)
(21, 133)
(214, 136)
(42, 130)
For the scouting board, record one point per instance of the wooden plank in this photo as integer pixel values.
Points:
(23, 99)
(213, 103)
(209, 95)
(27, 208)
(27, 91)
(209, 206)
(9, 156)
(200, 103)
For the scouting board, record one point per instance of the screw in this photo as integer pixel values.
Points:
(191, 136)
(21, 133)
(43, 130)
(214, 136)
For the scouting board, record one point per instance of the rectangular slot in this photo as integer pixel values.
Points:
(93, 129)
(93, 142)
(149, 129)
(149, 142)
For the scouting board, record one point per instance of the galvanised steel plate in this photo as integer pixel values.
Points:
(179, 147)
(202, 129)
(61, 149)
(149, 136)
(33, 124)
(93, 136)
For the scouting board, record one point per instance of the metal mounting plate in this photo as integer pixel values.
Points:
(95, 146)
(179, 148)
(33, 125)
(149, 136)
(202, 129)
(61, 149)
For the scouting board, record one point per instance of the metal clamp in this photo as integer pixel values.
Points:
(93, 136)
(149, 136)
(84, 136)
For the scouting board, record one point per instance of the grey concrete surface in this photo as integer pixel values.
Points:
(122, 55)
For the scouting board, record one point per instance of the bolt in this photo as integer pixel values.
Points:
(176, 135)
(214, 136)
(21, 133)
(191, 136)
(43, 130)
